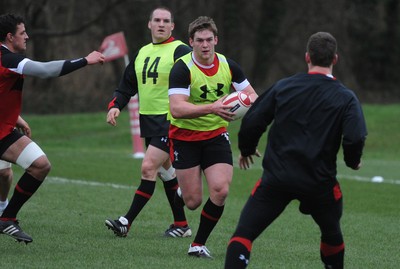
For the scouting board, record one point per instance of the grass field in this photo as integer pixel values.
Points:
(94, 178)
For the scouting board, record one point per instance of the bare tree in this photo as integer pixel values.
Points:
(267, 38)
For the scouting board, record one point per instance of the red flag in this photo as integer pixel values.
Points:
(114, 46)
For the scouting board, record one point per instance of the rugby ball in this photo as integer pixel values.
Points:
(240, 103)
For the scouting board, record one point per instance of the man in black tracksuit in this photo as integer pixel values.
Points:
(312, 114)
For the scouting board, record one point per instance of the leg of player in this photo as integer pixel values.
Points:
(27, 154)
(143, 194)
(191, 185)
(153, 160)
(332, 245)
(6, 176)
(180, 227)
(219, 177)
(261, 209)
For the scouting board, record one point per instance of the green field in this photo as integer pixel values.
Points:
(94, 177)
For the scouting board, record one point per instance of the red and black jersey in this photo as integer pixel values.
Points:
(11, 84)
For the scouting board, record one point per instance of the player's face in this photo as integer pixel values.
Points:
(19, 39)
(161, 25)
(203, 44)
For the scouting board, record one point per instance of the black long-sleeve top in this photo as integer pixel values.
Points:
(311, 115)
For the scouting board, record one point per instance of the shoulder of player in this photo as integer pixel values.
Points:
(232, 63)
(180, 66)
(181, 50)
(235, 68)
(180, 75)
(10, 59)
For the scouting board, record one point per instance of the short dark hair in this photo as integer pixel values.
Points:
(8, 24)
(322, 48)
(162, 8)
(200, 24)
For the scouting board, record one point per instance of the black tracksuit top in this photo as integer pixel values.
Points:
(310, 116)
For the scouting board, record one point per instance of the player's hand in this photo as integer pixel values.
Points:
(112, 116)
(245, 162)
(222, 110)
(95, 57)
(23, 127)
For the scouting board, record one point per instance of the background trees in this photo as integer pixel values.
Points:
(266, 37)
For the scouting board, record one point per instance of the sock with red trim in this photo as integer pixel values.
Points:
(25, 188)
(178, 212)
(142, 196)
(238, 253)
(210, 216)
(332, 251)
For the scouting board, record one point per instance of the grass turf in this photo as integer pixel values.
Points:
(66, 217)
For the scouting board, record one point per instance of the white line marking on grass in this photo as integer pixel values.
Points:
(86, 182)
(119, 186)
(368, 179)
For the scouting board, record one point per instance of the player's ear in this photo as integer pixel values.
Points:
(216, 40)
(335, 59)
(9, 37)
(172, 26)
(307, 58)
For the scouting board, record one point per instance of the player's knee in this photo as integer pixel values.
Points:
(219, 195)
(46, 167)
(6, 174)
(40, 168)
(192, 203)
(148, 170)
(223, 194)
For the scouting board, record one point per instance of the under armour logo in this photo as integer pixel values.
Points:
(243, 258)
(218, 91)
(164, 139)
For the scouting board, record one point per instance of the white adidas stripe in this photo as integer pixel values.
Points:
(10, 230)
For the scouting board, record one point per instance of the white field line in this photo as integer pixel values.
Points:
(368, 179)
(61, 180)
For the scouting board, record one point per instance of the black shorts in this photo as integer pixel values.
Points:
(160, 142)
(8, 140)
(267, 202)
(188, 154)
(329, 198)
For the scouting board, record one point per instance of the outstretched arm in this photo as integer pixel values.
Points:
(60, 67)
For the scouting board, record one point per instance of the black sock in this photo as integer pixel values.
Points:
(25, 188)
(178, 201)
(238, 253)
(179, 214)
(332, 251)
(209, 218)
(142, 196)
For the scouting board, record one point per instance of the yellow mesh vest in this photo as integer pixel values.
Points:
(152, 66)
(205, 90)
